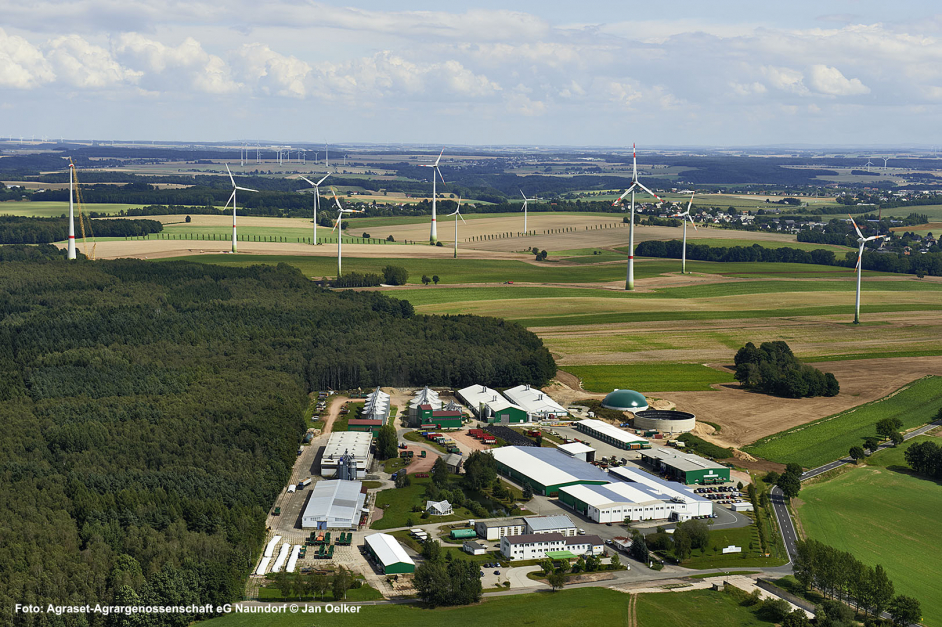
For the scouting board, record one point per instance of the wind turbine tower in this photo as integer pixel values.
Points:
(685, 216)
(525, 200)
(340, 212)
(71, 211)
(862, 241)
(457, 215)
(635, 185)
(233, 199)
(885, 160)
(433, 236)
(317, 200)
(868, 164)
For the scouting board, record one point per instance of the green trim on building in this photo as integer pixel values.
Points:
(513, 414)
(398, 568)
(539, 488)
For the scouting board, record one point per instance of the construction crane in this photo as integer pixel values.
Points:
(82, 217)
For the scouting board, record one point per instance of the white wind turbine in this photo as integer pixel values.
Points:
(685, 216)
(340, 212)
(525, 201)
(885, 160)
(433, 237)
(868, 164)
(862, 241)
(457, 215)
(635, 185)
(233, 199)
(317, 200)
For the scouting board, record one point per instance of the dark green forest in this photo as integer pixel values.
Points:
(151, 414)
(20, 230)
(772, 368)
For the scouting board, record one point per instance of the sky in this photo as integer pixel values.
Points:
(596, 73)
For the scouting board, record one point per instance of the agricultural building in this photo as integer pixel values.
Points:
(388, 554)
(559, 523)
(625, 400)
(376, 406)
(665, 421)
(425, 396)
(685, 467)
(454, 462)
(429, 418)
(578, 450)
(545, 469)
(497, 529)
(334, 504)
(474, 548)
(359, 424)
(536, 403)
(552, 545)
(352, 446)
(635, 501)
(610, 434)
(489, 405)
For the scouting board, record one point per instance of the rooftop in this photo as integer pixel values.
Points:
(535, 401)
(600, 426)
(540, 523)
(357, 443)
(625, 400)
(575, 448)
(682, 461)
(387, 549)
(668, 489)
(527, 538)
(546, 465)
(337, 502)
(477, 395)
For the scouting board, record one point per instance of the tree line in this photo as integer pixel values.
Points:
(21, 230)
(152, 413)
(773, 369)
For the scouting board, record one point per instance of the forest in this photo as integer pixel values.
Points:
(20, 230)
(772, 368)
(152, 412)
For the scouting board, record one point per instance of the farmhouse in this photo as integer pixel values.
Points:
(610, 434)
(685, 467)
(489, 405)
(545, 469)
(352, 445)
(551, 545)
(536, 403)
(388, 554)
(334, 504)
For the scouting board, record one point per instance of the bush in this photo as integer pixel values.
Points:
(395, 275)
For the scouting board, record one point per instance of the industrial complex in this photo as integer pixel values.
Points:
(334, 504)
(685, 467)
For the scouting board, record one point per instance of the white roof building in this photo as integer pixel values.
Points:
(578, 450)
(536, 402)
(334, 505)
(438, 508)
(376, 406)
(388, 552)
(609, 433)
(559, 523)
(426, 396)
(485, 401)
(615, 502)
(353, 443)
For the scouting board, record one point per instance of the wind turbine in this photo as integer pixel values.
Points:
(525, 200)
(71, 252)
(457, 215)
(685, 216)
(433, 237)
(635, 185)
(340, 212)
(233, 199)
(868, 164)
(862, 241)
(885, 160)
(317, 200)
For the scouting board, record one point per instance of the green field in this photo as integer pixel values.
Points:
(886, 517)
(583, 607)
(54, 209)
(727, 243)
(828, 439)
(662, 377)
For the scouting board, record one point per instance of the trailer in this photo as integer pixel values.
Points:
(305, 483)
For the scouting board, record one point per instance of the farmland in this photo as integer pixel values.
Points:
(54, 209)
(662, 377)
(830, 438)
(882, 516)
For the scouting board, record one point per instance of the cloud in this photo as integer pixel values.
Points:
(81, 64)
(785, 79)
(22, 65)
(272, 72)
(747, 89)
(830, 81)
(170, 67)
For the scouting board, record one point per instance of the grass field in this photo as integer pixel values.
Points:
(728, 243)
(830, 438)
(886, 517)
(54, 209)
(661, 377)
(583, 607)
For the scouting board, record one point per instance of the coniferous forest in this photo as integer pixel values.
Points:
(151, 413)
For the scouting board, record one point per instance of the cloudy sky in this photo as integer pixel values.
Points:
(575, 73)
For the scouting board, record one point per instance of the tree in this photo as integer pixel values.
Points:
(341, 583)
(871, 443)
(480, 470)
(857, 453)
(547, 566)
(897, 438)
(579, 566)
(682, 544)
(886, 427)
(395, 275)
(431, 549)
(615, 562)
(431, 582)
(435, 279)
(283, 583)
(188, 219)
(775, 610)
(905, 610)
(771, 477)
(402, 479)
(796, 618)
(527, 492)
(387, 442)
(543, 255)
(556, 580)
(440, 472)
(882, 590)
(426, 280)
(789, 484)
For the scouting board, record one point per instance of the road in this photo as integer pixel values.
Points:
(780, 504)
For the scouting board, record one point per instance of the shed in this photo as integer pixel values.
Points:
(474, 548)
(388, 554)
(578, 450)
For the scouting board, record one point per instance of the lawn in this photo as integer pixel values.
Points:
(882, 516)
(828, 439)
(583, 607)
(662, 377)
(401, 500)
(364, 593)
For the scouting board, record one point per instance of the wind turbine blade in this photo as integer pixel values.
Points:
(439, 157)
(336, 201)
(231, 196)
(246, 189)
(692, 223)
(440, 175)
(308, 180)
(524, 195)
(689, 204)
(336, 222)
(859, 234)
(230, 175)
(648, 190)
(462, 218)
(322, 180)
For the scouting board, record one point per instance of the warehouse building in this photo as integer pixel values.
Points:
(560, 523)
(497, 529)
(545, 469)
(347, 447)
(359, 424)
(388, 555)
(578, 450)
(425, 396)
(376, 406)
(536, 403)
(635, 501)
(551, 545)
(429, 418)
(334, 504)
(489, 405)
(625, 400)
(685, 467)
(610, 434)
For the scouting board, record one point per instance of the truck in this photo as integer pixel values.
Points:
(304, 483)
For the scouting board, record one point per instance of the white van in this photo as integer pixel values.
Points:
(292, 488)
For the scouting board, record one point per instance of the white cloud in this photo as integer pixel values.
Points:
(829, 80)
(748, 89)
(81, 64)
(170, 67)
(274, 73)
(785, 79)
(22, 64)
